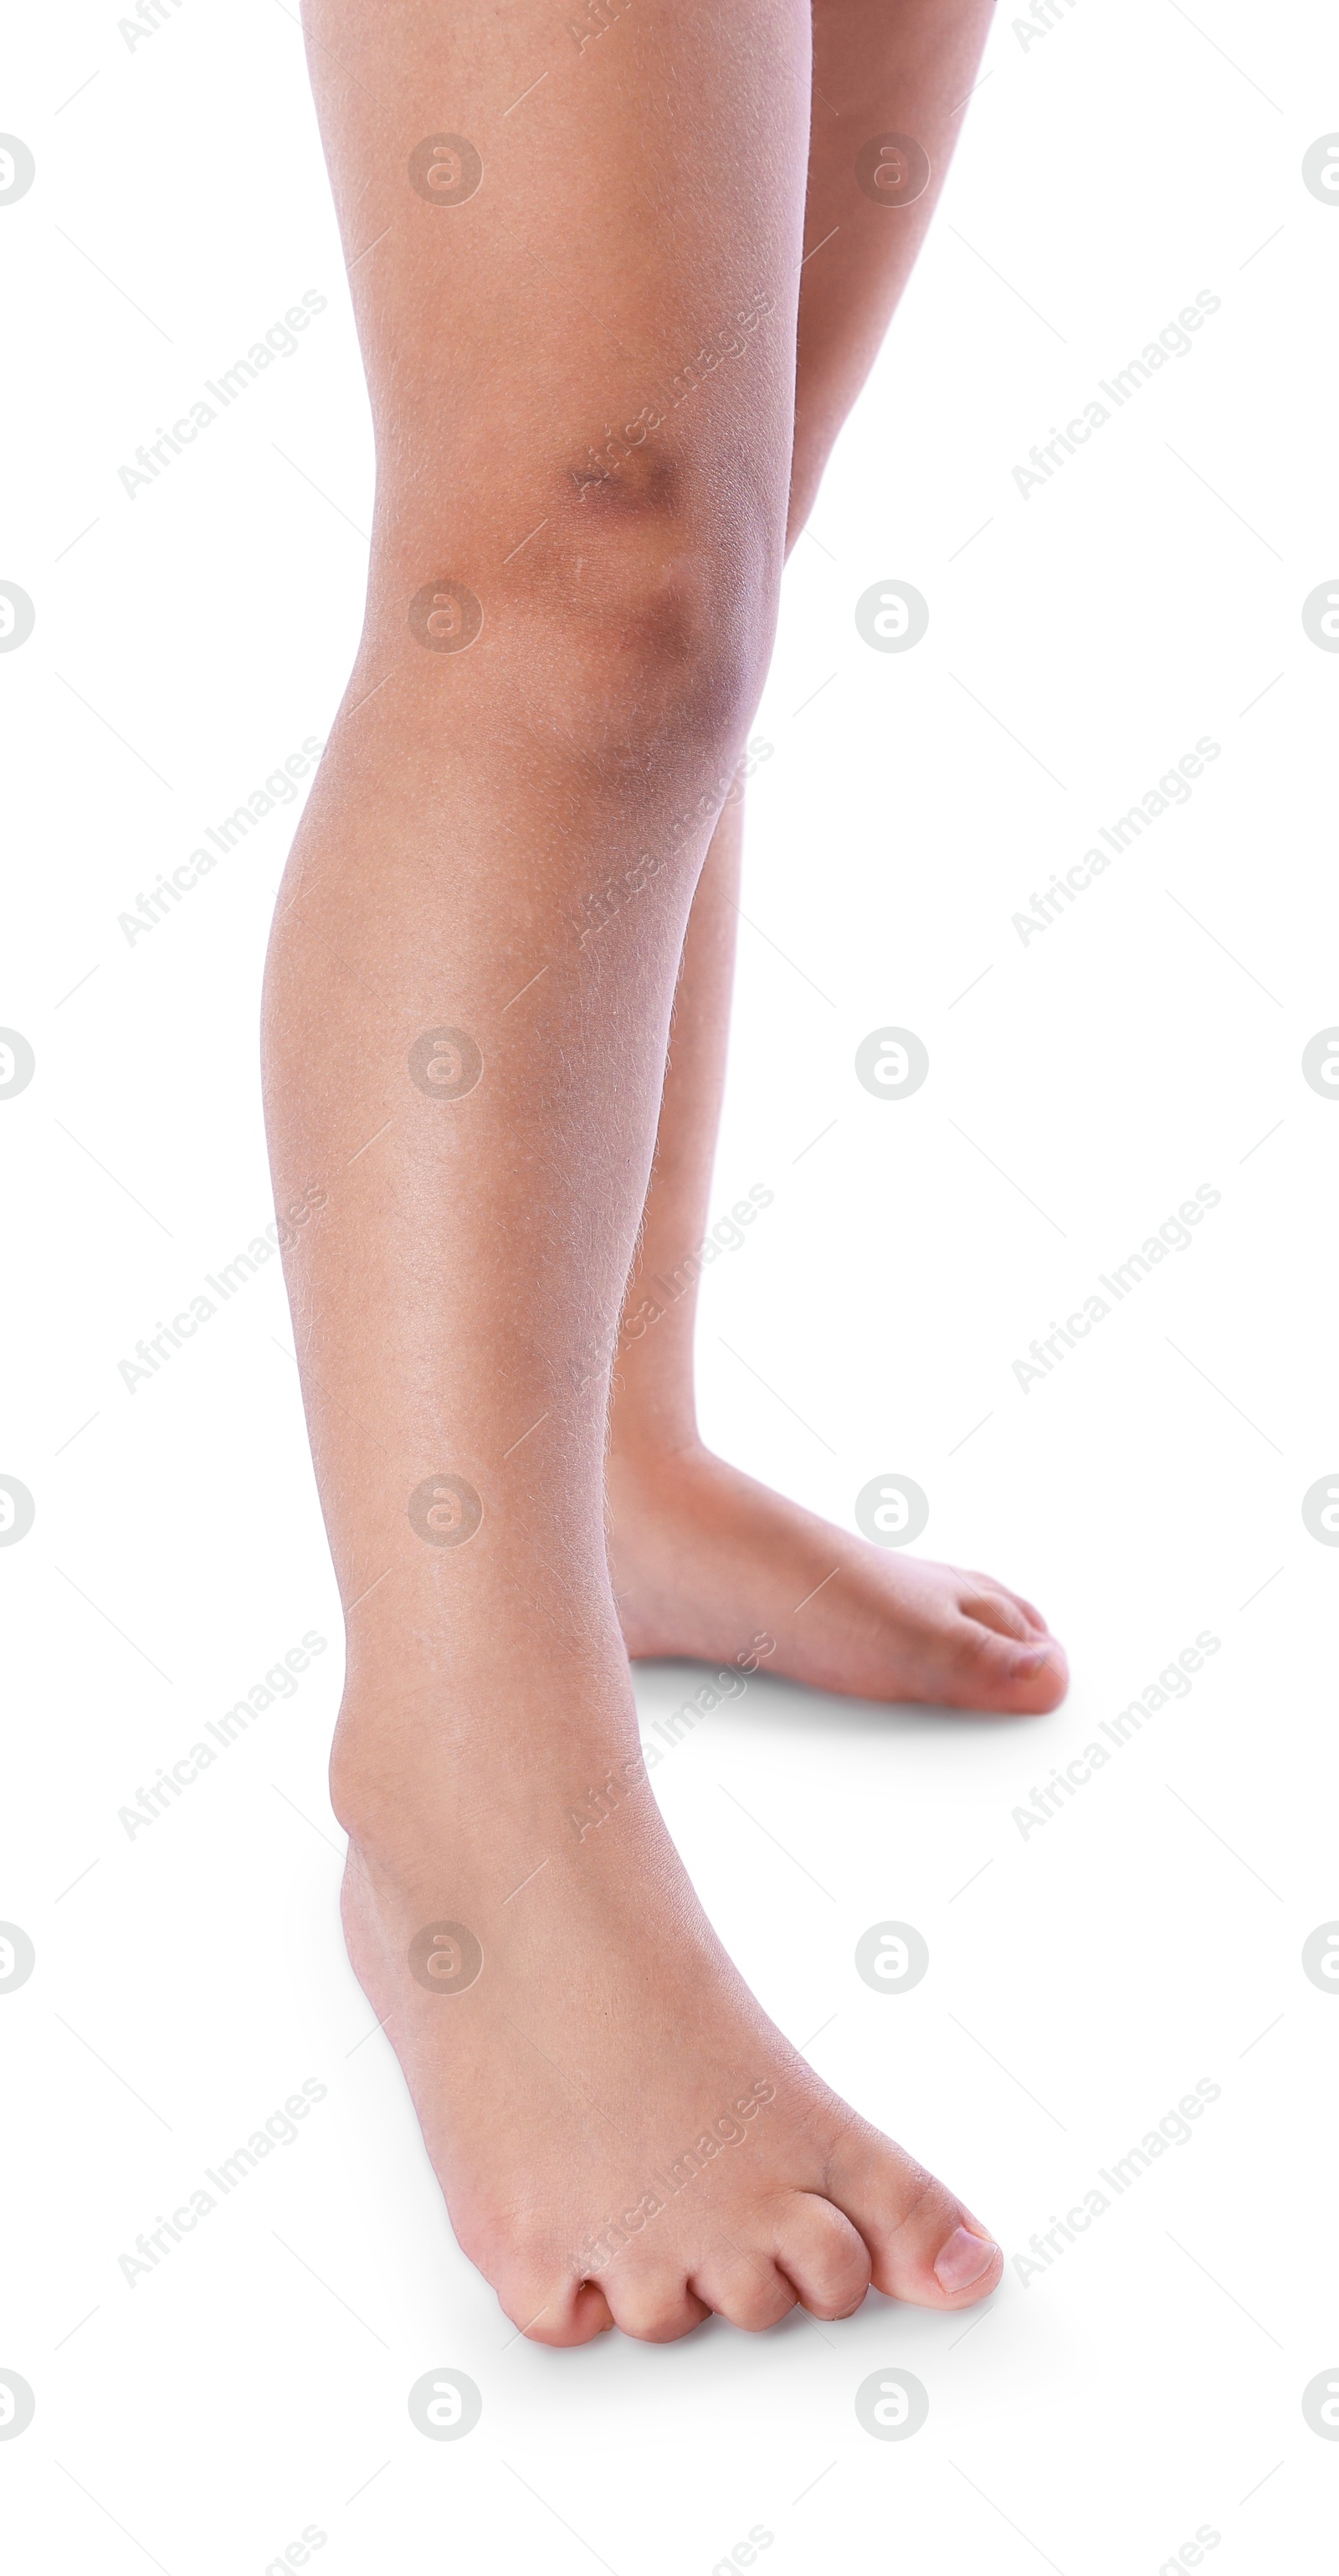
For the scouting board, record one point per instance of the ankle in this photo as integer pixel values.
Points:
(643, 1455)
(449, 1775)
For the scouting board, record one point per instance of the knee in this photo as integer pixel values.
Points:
(649, 601)
(633, 619)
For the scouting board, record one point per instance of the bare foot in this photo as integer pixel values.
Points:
(621, 2134)
(702, 1558)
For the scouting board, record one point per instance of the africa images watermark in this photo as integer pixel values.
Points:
(600, 16)
(1173, 1682)
(1046, 14)
(616, 893)
(280, 341)
(1173, 1235)
(731, 341)
(1173, 788)
(1173, 2130)
(1173, 341)
(151, 15)
(280, 1682)
(668, 1285)
(280, 2130)
(153, 1355)
(673, 2177)
(280, 788)
(628, 1775)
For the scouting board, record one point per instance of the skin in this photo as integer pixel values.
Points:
(702, 1556)
(464, 1250)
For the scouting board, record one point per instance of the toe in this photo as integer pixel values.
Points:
(924, 2246)
(1041, 1678)
(570, 2313)
(991, 1584)
(996, 1610)
(1020, 1676)
(968, 2261)
(745, 2285)
(825, 2257)
(654, 2306)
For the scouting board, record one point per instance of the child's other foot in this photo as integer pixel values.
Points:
(703, 1559)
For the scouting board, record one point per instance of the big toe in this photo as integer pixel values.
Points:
(1021, 1676)
(924, 2245)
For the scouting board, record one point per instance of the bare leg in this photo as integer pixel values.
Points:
(554, 679)
(702, 1555)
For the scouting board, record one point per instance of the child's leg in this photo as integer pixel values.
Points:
(701, 1554)
(462, 1100)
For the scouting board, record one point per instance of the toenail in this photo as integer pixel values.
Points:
(963, 2259)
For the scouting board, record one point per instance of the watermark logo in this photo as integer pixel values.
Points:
(892, 2404)
(18, 1064)
(1320, 1957)
(891, 1511)
(17, 2405)
(445, 1511)
(893, 170)
(892, 1957)
(1320, 2404)
(1320, 1510)
(17, 1511)
(1320, 1055)
(1320, 616)
(445, 169)
(445, 2404)
(17, 1958)
(445, 616)
(445, 1063)
(1320, 169)
(891, 1063)
(17, 617)
(892, 616)
(445, 1957)
(17, 169)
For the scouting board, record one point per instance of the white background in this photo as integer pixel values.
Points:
(1080, 1088)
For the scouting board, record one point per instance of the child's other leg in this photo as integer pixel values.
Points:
(703, 1556)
